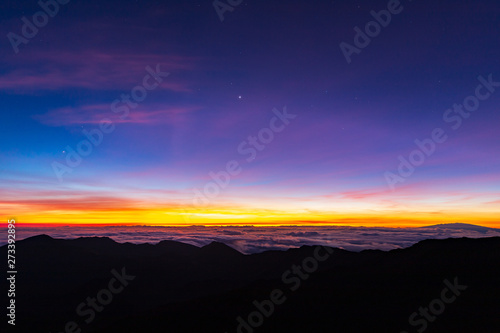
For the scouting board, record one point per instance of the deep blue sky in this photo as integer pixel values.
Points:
(353, 120)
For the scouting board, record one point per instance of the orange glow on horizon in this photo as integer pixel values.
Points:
(245, 217)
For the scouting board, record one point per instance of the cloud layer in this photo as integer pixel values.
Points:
(256, 239)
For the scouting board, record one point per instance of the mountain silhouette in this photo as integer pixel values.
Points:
(220, 249)
(461, 226)
(178, 287)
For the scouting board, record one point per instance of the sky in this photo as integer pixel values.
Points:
(350, 113)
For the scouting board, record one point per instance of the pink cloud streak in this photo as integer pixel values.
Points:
(93, 114)
(92, 70)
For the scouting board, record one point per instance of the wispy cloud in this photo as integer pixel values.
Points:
(93, 114)
(92, 70)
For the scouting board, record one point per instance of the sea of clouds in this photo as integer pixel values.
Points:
(248, 239)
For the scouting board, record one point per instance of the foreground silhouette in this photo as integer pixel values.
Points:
(98, 285)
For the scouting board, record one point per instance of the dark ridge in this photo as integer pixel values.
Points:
(94, 240)
(176, 287)
(176, 244)
(220, 249)
(39, 239)
(177, 247)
